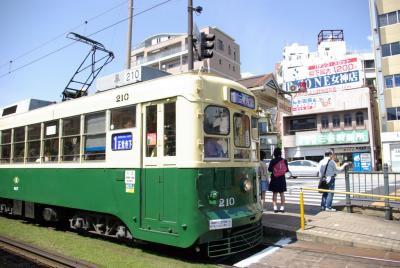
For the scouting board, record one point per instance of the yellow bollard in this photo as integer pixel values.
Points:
(301, 209)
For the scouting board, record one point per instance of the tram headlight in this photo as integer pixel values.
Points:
(246, 185)
(213, 197)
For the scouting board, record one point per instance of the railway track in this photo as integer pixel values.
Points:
(41, 257)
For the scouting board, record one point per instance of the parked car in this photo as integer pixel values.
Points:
(303, 168)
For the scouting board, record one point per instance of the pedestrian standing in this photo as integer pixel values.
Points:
(328, 169)
(263, 175)
(278, 167)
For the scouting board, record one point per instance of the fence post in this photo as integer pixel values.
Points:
(349, 208)
(388, 209)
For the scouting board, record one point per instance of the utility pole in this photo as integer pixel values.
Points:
(129, 47)
(190, 35)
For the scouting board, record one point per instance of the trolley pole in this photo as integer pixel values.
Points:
(190, 35)
(129, 46)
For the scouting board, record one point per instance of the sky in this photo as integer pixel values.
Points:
(33, 34)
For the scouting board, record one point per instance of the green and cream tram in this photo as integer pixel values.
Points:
(170, 160)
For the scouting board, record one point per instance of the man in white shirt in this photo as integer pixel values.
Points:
(329, 174)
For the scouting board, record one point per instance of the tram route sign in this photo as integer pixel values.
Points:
(121, 141)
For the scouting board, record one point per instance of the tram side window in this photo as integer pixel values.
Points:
(33, 145)
(50, 140)
(151, 131)
(19, 145)
(169, 129)
(255, 146)
(254, 128)
(123, 118)
(241, 125)
(5, 146)
(95, 136)
(71, 139)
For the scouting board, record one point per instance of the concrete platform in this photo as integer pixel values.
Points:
(337, 228)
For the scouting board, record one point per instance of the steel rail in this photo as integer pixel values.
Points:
(41, 256)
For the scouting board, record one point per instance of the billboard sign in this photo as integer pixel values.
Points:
(328, 76)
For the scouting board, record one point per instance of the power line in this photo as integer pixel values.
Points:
(60, 35)
(63, 47)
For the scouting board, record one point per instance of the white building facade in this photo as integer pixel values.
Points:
(333, 102)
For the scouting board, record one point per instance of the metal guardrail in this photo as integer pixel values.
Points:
(375, 183)
(348, 194)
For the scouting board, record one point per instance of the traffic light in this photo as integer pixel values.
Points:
(206, 46)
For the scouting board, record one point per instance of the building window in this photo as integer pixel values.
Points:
(347, 120)
(229, 50)
(391, 113)
(392, 81)
(234, 55)
(391, 49)
(233, 68)
(95, 136)
(324, 122)
(388, 81)
(369, 64)
(389, 18)
(336, 121)
(220, 45)
(302, 124)
(220, 61)
(359, 118)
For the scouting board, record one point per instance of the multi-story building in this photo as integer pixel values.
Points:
(332, 102)
(385, 24)
(169, 52)
(272, 104)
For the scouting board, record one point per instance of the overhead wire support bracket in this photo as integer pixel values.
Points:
(88, 70)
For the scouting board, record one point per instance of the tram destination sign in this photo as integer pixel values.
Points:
(121, 141)
(334, 137)
(242, 99)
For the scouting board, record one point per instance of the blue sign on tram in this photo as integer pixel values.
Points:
(121, 141)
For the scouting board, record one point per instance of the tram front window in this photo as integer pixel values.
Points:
(216, 122)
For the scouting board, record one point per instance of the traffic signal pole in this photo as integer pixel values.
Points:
(190, 35)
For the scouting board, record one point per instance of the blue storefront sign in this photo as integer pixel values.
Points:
(121, 141)
(362, 162)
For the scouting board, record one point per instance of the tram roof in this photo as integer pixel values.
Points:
(160, 88)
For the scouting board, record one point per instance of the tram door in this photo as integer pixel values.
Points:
(159, 185)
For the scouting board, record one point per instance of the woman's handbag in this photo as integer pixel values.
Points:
(322, 184)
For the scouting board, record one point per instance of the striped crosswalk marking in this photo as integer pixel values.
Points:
(292, 196)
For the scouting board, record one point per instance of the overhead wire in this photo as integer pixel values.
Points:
(60, 35)
(94, 33)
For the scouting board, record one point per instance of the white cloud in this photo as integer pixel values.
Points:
(369, 37)
(246, 74)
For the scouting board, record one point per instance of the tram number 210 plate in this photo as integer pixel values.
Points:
(220, 224)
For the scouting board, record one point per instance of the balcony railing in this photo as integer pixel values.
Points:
(160, 55)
